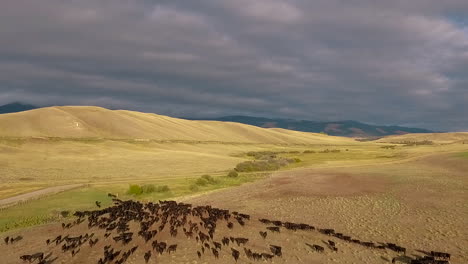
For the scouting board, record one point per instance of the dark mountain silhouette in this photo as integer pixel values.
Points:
(16, 107)
(348, 128)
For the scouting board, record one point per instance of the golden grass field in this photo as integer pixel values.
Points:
(411, 194)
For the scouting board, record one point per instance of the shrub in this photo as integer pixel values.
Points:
(148, 188)
(201, 182)
(233, 174)
(163, 188)
(134, 189)
(194, 188)
(209, 179)
(65, 214)
(309, 151)
(205, 180)
(262, 155)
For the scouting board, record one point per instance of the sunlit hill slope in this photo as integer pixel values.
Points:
(97, 122)
(440, 138)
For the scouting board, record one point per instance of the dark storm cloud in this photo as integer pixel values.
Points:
(391, 62)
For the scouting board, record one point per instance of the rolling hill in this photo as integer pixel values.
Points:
(440, 138)
(347, 128)
(97, 122)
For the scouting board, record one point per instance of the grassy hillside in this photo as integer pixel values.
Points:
(96, 122)
(441, 138)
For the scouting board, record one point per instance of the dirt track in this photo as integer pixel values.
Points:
(36, 194)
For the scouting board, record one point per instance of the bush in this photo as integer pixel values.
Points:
(209, 179)
(309, 151)
(135, 189)
(148, 188)
(205, 180)
(262, 155)
(233, 174)
(65, 214)
(201, 182)
(194, 188)
(163, 188)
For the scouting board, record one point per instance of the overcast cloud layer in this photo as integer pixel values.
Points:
(384, 62)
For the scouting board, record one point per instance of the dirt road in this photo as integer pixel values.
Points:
(36, 194)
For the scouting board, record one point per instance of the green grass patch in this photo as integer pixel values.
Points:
(51, 208)
(463, 155)
(135, 189)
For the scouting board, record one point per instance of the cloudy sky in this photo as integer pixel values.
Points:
(383, 62)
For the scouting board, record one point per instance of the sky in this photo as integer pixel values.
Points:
(382, 62)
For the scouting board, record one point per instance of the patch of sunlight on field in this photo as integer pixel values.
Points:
(47, 209)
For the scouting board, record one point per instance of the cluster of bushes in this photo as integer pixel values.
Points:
(135, 189)
(330, 151)
(388, 147)
(205, 180)
(415, 143)
(262, 155)
(264, 165)
(266, 155)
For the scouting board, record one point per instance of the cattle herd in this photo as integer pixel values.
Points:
(125, 222)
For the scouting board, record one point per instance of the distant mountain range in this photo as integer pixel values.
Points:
(15, 107)
(346, 128)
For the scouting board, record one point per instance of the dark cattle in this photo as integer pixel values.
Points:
(74, 252)
(225, 241)
(172, 248)
(327, 231)
(147, 256)
(241, 240)
(276, 250)
(37, 256)
(316, 247)
(198, 221)
(273, 228)
(6, 239)
(440, 255)
(215, 253)
(267, 256)
(370, 244)
(248, 253)
(98, 204)
(245, 216)
(277, 223)
(26, 258)
(235, 254)
(16, 239)
(217, 245)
